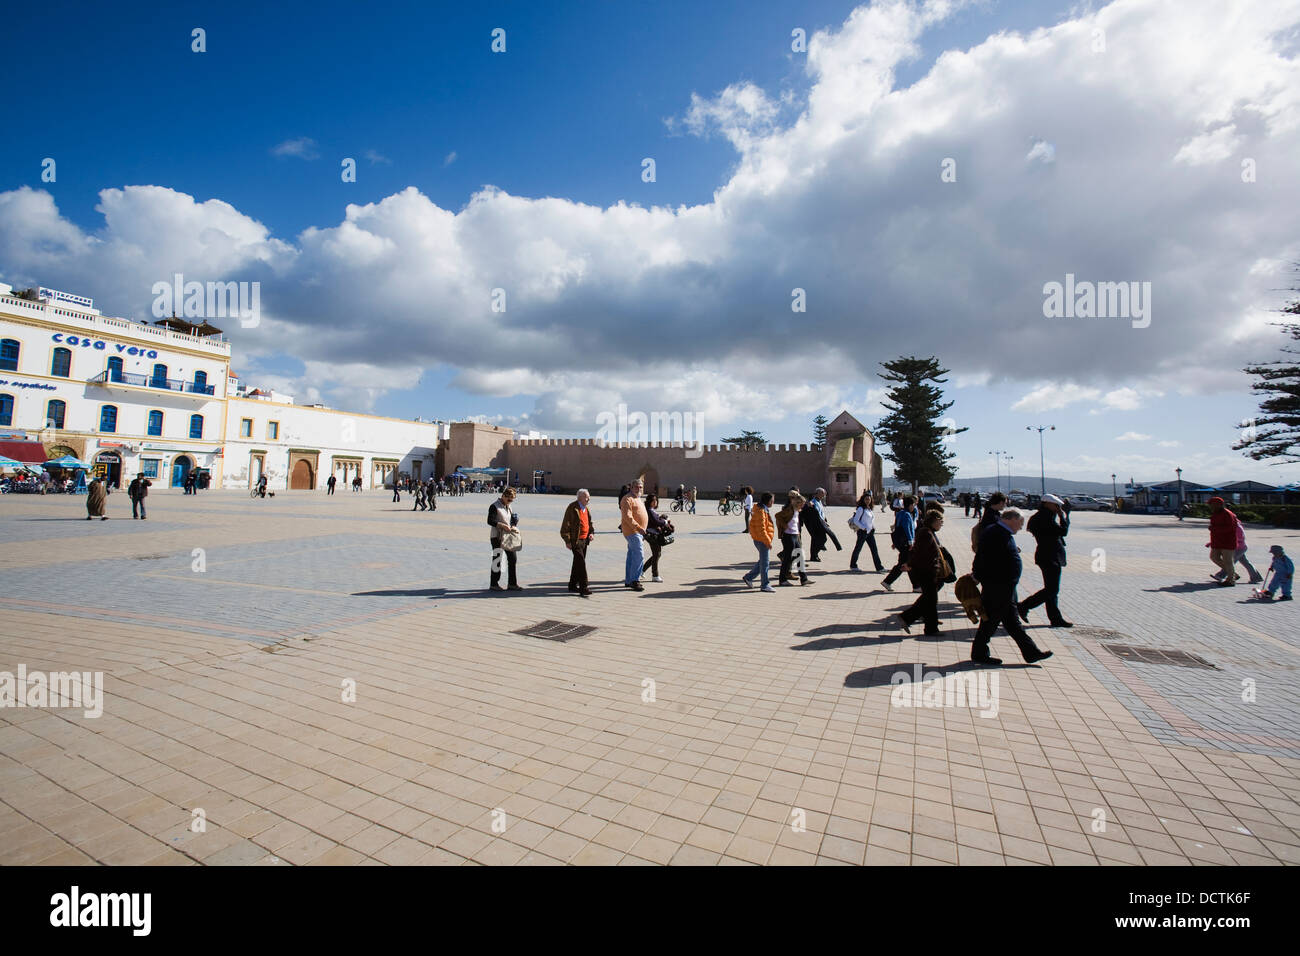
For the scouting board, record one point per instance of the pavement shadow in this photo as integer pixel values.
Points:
(536, 590)
(882, 675)
(700, 589)
(1185, 587)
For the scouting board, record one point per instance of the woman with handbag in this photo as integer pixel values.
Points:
(928, 568)
(657, 529)
(505, 540)
(864, 523)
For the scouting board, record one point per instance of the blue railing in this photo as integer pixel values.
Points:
(149, 381)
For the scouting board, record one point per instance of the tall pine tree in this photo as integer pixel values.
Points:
(913, 429)
(819, 430)
(1276, 433)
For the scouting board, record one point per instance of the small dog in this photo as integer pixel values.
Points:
(968, 593)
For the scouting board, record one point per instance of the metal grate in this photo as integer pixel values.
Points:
(1156, 655)
(555, 631)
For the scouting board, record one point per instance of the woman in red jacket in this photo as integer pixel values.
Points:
(1223, 540)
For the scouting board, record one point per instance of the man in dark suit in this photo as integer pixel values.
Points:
(997, 568)
(1049, 526)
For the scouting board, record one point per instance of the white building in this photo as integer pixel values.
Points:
(160, 399)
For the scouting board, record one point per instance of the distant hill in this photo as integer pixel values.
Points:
(1033, 483)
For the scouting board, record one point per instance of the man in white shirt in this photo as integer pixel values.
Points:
(748, 506)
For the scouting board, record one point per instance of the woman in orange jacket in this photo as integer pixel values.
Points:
(763, 530)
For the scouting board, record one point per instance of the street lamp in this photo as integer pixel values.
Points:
(997, 464)
(1179, 472)
(1042, 471)
(1114, 493)
(1010, 459)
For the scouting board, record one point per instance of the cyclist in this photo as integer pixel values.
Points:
(261, 486)
(681, 497)
(726, 498)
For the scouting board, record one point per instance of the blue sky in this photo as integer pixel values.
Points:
(584, 91)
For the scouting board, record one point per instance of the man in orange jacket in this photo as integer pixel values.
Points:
(763, 530)
(633, 525)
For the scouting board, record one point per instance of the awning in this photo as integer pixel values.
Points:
(30, 452)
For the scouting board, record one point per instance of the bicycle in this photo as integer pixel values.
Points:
(726, 507)
(679, 504)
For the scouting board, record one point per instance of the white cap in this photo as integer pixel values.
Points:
(1053, 499)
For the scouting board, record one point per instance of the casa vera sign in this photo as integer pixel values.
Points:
(102, 346)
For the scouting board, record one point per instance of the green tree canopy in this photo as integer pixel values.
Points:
(1276, 432)
(913, 429)
(746, 439)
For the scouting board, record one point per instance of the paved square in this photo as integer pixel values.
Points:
(700, 722)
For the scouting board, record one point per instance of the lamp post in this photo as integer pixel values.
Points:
(1010, 459)
(1042, 471)
(997, 464)
(1179, 472)
(1114, 493)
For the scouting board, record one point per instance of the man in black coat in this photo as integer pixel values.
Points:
(1049, 526)
(997, 568)
(813, 517)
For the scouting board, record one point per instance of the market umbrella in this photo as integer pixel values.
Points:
(67, 461)
(10, 463)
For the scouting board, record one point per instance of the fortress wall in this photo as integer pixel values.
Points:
(585, 463)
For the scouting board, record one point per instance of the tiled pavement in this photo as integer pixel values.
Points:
(700, 723)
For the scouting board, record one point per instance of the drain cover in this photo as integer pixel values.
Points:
(1156, 655)
(555, 631)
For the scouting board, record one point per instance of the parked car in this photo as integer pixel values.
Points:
(935, 496)
(1086, 503)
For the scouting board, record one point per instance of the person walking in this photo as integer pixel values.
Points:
(1049, 526)
(1239, 557)
(992, 511)
(329, 485)
(431, 495)
(577, 530)
(419, 497)
(747, 505)
(694, 494)
(928, 568)
(96, 499)
(397, 490)
(965, 500)
(1223, 540)
(633, 525)
(137, 491)
(864, 523)
(657, 526)
(500, 519)
(901, 537)
(819, 529)
(787, 523)
(762, 531)
(997, 568)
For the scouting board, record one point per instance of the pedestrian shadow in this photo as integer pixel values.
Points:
(1184, 588)
(700, 591)
(883, 675)
(536, 590)
(832, 596)
(826, 629)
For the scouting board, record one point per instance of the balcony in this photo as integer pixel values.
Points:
(148, 381)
